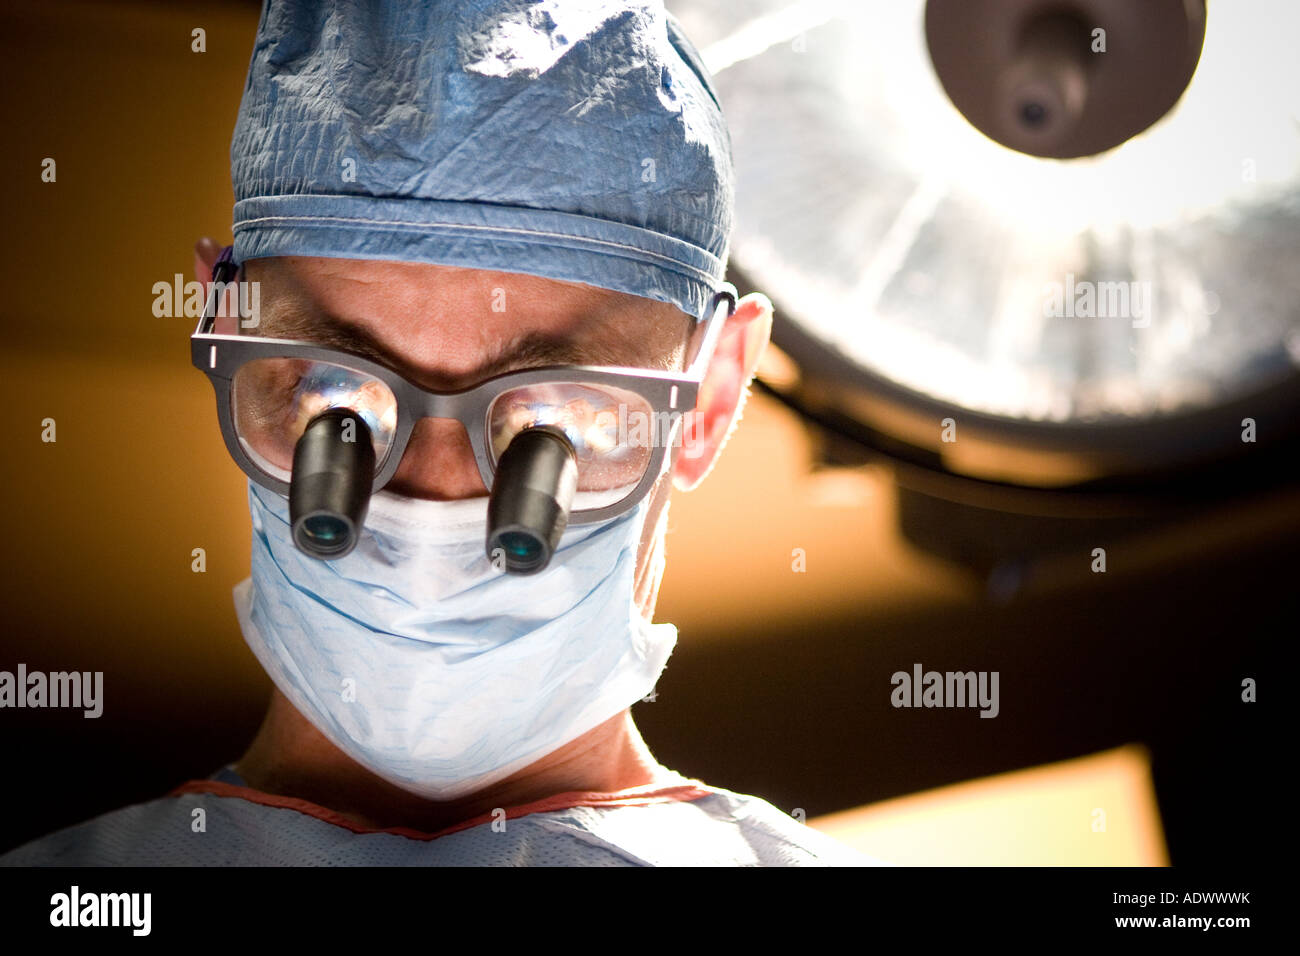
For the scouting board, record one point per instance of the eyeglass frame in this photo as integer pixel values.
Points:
(220, 357)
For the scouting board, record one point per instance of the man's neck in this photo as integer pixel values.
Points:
(290, 757)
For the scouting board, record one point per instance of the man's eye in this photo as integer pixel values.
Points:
(275, 399)
(610, 429)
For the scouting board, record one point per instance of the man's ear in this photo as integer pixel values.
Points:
(206, 253)
(721, 400)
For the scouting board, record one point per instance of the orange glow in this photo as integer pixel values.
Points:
(1045, 816)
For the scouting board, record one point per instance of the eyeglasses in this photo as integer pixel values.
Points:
(620, 421)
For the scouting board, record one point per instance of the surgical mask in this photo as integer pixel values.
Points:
(431, 668)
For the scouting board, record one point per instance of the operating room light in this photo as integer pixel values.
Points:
(886, 225)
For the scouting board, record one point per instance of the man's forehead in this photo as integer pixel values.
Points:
(456, 320)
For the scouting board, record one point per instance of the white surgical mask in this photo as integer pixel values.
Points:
(431, 668)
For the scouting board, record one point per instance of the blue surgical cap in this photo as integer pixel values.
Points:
(579, 140)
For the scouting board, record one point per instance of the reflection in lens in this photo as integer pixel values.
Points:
(325, 529)
(611, 429)
(521, 546)
(274, 399)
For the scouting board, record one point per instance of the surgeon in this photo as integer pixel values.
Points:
(485, 235)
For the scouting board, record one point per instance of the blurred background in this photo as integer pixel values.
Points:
(909, 245)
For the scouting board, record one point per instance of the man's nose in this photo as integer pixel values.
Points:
(438, 463)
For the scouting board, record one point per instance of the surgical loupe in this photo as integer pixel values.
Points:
(329, 492)
(531, 497)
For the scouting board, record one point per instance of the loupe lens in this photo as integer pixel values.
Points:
(329, 491)
(532, 493)
(325, 530)
(522, 547)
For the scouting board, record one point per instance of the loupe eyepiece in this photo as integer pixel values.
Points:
(329, 492)
(531, 497)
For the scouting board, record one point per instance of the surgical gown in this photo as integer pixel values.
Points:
(684, 823)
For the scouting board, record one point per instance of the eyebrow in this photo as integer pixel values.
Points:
(532, 349)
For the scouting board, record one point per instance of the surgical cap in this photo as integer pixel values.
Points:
(578, 140)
